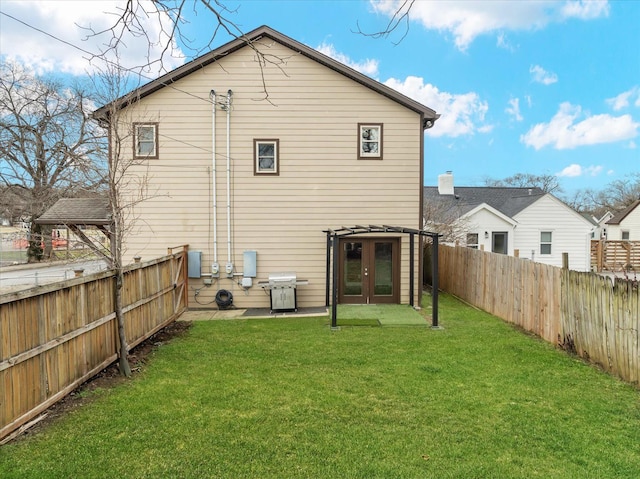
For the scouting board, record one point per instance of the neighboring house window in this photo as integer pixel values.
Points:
(625, 235)
(369, 141)
(145, 140)
(266, 157)
(545, 242)
(472, 240)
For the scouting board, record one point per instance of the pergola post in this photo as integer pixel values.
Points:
(328, 269)
(411, 269)
(434, 282)
(334, 302)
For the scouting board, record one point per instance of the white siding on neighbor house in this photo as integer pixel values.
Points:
(571, 233)
(313, 112)
(630, 223)
(486, 221)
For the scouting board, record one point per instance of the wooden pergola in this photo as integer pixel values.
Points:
(333, 239)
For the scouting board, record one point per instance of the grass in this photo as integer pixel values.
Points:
(384, 315)
(290, 398)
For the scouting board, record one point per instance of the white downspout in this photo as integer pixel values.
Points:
(229, 266)
(212, 96)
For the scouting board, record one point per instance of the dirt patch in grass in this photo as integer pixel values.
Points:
(108, 377)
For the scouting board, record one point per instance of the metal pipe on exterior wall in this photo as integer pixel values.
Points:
(212, 96)
(229, 94)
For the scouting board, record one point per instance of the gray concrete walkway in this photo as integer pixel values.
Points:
(253, 313)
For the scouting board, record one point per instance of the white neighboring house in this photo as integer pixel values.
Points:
(502, 220)
(626, 224)
(600, 233)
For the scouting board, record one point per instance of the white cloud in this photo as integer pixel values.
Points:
(622, 100)
(585, 9)
(565, 132)
(514, 109)
(462, 114)
(540, 75)
(63, 19)
(575, 170)
(467, 20)
(504, 43)
(368, 66)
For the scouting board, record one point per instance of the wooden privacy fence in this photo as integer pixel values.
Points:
(55, 337)
(615, 255)
(582, 312)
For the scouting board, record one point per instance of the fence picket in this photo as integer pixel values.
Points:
(598, 318)
(56, 337)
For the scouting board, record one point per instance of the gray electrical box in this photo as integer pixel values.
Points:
(249, 264)
(194, 264)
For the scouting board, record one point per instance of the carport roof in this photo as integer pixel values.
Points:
(77, 211)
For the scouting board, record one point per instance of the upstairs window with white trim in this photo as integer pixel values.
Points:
(545, 242)
(369, 141)
(145, 140)
(625, 235)
(266, 161)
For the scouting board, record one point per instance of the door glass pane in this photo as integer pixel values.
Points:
(383, 269)
(352, 268)
(499, 243)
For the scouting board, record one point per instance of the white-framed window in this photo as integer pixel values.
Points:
(266, 157)
(545, 242)
(625, 235)
(145, 140)
(370, 141)
(472, 240)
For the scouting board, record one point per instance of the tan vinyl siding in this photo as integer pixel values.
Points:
(313, 112)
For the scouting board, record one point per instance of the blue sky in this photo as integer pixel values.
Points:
(549, 87)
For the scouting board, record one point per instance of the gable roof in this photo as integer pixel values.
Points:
(508, 201)
(617, 218)
(253, 37)
(77, 211)
(493, 211)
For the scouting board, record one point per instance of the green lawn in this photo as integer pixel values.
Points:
(288, 398)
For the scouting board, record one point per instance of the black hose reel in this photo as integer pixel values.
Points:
(224, 299)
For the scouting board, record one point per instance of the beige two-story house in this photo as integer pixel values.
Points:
(252, 152)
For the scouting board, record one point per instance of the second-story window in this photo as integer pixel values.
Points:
(266, 157)
(370, 141)
(145, 140)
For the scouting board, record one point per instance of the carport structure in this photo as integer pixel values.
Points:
(333, 263)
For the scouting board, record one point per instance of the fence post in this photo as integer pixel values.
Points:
(565, 260)
(516, 253)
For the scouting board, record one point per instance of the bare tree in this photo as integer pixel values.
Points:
(49, 147)
(546, 182)
(125, 188)
(616, 196)
(161, 23)
(399, 20)
(444, 217)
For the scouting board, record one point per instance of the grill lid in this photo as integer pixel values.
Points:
(279, 278)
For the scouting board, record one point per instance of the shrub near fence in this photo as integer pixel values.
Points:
(582, 312)
(55, 337)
